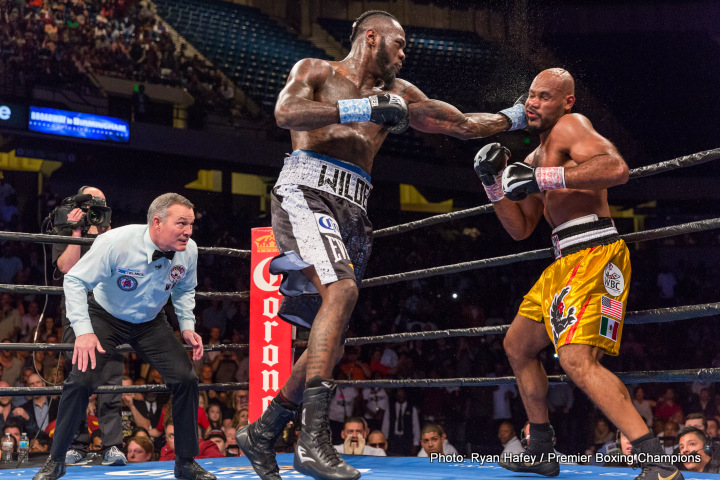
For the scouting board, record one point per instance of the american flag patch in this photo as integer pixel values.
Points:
(611, 307)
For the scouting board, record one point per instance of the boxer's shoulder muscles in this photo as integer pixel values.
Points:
(307, 76)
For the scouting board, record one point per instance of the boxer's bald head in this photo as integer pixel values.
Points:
(551, 95)
(560, 78)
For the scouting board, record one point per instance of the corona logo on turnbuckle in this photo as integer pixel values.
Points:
(270, 338)
(265, 244)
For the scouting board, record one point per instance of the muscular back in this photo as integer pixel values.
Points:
(560, 206)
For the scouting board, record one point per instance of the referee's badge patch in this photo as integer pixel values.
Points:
(127, 283)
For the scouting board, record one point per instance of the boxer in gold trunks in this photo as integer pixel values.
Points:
(579, 302)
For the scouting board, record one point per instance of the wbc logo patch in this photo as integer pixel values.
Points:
(613, 280)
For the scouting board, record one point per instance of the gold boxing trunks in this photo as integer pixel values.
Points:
(581, 297)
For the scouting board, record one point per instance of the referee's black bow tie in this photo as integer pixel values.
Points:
(158, 254)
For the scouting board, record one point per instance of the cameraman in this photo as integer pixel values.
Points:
(109, 405)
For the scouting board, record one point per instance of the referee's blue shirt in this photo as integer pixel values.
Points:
(127, 283)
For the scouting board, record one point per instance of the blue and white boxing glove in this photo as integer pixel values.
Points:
(388, 110)
(516, 114)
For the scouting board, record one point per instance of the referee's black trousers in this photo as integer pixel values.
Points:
(157, 344)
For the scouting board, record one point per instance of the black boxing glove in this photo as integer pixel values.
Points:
(490, 161)
(516, 114)
(387, 109)
(489, 164)
(520, 180)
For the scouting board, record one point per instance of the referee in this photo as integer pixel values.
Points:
(132, 270)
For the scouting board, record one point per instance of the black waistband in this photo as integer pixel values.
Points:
(605, 234)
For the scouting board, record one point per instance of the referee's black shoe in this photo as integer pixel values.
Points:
(315, 455)
(531, 463)
(190, 470)
(52, 470)
(257, 440)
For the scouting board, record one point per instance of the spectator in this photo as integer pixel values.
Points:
(342, 406)
(218, 436)
(13, 428)
(30, 320)
(232, 449)
(401, 426)
(666, 406)
(508, 439)
(352, 367)
(130, 411)
(696, 420)
(140, 449)
(208, 448)
(669, 437)
(6, 407)
(214, 415)
(693, 441)
(11, 366)
(434, 440)
(10, 319)
(354, 433)
(704, 404)
(10, 265)
(502, 397)
(240, 419)
(375, 402)
(643, 406)
(95, 440)
(37, 412)
(376, 439)
(712, 427)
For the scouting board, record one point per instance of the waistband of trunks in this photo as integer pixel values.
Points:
(327, 174)
(575, 238)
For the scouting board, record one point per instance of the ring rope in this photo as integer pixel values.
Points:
(43, 290)
(641, 317)
(646, 171)
(687, 375)
(124, 348)
(44, 238)
(698, 226)
(160, 387)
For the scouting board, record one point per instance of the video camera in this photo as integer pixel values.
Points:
(94, 212)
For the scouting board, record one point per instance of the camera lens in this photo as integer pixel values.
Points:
(95, 217)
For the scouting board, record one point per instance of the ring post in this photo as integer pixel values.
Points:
(270, 353)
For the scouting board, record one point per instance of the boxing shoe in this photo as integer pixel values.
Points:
(315, 456)
(190, 470)
(52, 470)
(532, 463)
(537, 455)
(257, 440)
(655, 470)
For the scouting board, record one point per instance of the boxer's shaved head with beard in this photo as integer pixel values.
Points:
(388, 31)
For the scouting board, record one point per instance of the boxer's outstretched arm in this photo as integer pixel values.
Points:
(295, 108)
(435, 116)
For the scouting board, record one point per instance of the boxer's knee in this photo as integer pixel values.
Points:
(343, 293)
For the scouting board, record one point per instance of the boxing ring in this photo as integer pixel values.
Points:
(392, 467)
(379, 468)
